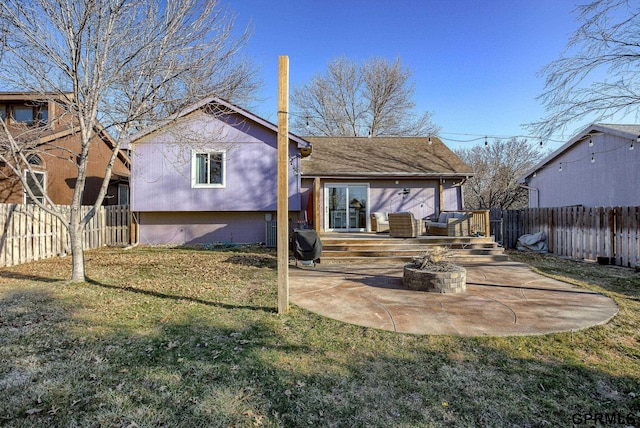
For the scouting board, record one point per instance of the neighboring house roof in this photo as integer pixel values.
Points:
(51, 133)
(382, 157)
(224, 107)
(630, 131)
(49, 136)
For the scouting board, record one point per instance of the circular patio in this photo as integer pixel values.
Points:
(502, 299)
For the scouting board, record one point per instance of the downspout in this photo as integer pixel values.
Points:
(533, 189)
(316, 205)
(440, 196)
(464, 180)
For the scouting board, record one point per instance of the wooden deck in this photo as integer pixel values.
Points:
(365, 246)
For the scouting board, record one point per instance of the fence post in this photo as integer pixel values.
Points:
(552, 231)
(612, 233)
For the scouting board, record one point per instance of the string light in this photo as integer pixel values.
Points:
(306, 118)
(479, 137)
(591, 157)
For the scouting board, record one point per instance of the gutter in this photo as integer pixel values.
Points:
(390, 175)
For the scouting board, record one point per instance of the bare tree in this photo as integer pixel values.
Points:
(112, 66)
(597, 76)
(496, 168)
(374, 98)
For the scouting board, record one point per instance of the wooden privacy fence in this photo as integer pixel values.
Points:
(29, 233)
(580, 232)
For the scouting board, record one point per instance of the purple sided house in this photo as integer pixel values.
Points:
(209, 175)
(599, 167)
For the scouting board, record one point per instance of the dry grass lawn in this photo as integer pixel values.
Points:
(164, 337)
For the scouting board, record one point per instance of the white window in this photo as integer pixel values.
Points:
(36, 182)
(208, 169)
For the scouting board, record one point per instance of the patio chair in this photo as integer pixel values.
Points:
(379, 222)
(450, 223)
(403, 225)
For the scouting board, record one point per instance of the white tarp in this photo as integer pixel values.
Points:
(536, 242)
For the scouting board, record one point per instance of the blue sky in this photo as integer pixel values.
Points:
(474, 63)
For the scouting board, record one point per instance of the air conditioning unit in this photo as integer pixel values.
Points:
(271, 234)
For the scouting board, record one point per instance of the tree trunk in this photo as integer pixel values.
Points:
(77, 245)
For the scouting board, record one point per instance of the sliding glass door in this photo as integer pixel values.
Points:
(346, 207)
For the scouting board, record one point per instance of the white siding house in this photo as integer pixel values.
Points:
(600, 166)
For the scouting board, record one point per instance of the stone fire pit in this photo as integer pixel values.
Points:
(452, 280)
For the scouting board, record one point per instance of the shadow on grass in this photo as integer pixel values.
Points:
(181, 298)
(255, 260)
(27, 277)
(244, 255)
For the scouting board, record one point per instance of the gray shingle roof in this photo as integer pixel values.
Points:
(631, 129)
(381, 156)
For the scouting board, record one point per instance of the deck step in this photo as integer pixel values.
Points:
(403, 253)
(368, 247)
(410, 247)
(392, 259)
(406, 241)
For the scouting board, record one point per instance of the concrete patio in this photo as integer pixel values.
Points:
(502, 298)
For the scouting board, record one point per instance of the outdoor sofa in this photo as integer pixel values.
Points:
(450, 223)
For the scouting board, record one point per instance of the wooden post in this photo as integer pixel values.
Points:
(612, 233)
(552, 232)
(133, 228)
(487, 224)
(440, 196)
(104, 236)
(283, 184)
(316, 204)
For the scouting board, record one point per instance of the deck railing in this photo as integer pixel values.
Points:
(480, 223)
